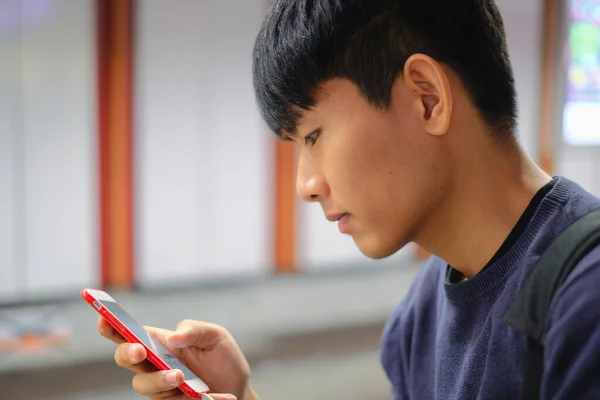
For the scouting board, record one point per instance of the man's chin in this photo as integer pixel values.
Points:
(375, 249)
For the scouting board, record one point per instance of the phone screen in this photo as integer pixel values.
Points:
(139, 331)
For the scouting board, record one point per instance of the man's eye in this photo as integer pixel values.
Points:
(312, 138)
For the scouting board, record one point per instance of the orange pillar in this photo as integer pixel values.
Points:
(285, 207)
(284, 228)
(549, 72)
(115, 133)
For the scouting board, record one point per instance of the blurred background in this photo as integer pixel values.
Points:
(133, 158)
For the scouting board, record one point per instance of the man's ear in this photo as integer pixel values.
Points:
(426, 78)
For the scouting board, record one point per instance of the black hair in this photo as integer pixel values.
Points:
(304, 43)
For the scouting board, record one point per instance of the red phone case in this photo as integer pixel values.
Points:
(130, 337)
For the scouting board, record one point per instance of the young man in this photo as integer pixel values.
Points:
(404, 116)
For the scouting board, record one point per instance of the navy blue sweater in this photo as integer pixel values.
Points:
(448, 341)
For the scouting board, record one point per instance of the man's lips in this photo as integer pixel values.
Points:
(335, 217)
(343, 220)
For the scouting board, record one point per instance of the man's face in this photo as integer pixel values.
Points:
(377, 166)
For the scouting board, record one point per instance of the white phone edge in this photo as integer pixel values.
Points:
(197, 385)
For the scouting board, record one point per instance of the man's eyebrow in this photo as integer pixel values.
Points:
(289, 136)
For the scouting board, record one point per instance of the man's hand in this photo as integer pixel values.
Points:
(208, 350)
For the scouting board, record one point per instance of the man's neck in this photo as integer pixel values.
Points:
(491, 192)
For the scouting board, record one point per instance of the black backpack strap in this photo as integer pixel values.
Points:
(529, 312)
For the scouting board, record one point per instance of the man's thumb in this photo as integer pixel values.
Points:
(195, 333)
(182, 338)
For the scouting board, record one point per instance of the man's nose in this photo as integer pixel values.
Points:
(310, 184)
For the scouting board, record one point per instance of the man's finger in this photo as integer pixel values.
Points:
(160, 334)
(195, 333)
(133, 357)
(109, 332)
(154, 383)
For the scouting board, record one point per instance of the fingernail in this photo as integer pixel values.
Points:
(172, 341)
(171, 377)
(177, 338)
(230, 397)
(183, 332)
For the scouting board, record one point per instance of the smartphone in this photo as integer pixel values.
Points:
(134, 332)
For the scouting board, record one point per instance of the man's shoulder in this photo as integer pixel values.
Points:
(583, 283)
(581, 287)
(572, 341)
(566, 203)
